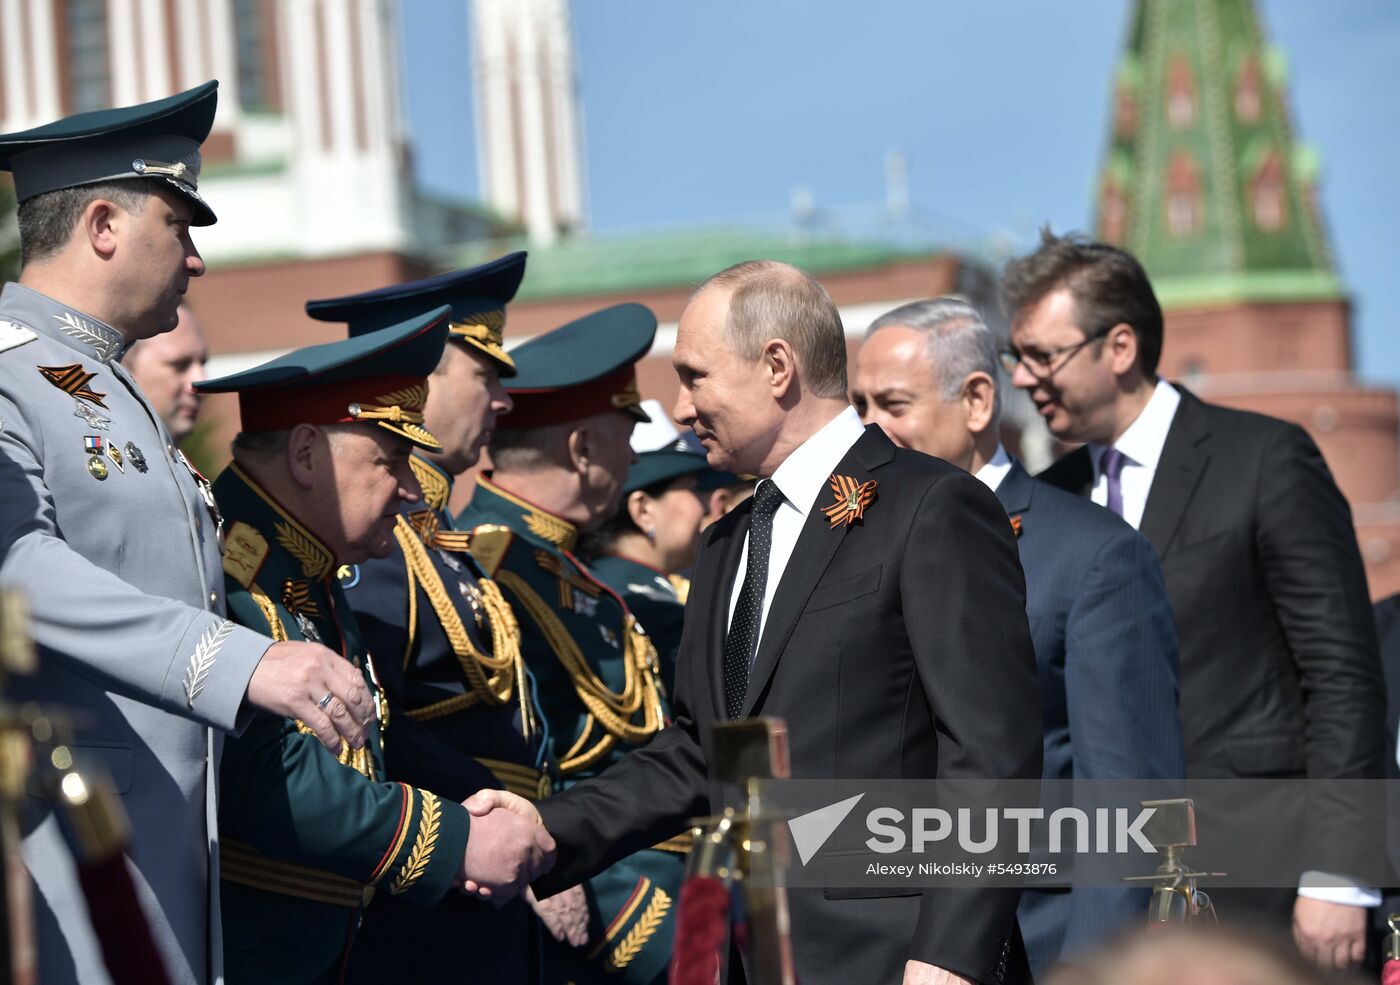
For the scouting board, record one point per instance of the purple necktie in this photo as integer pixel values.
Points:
(1111, 465)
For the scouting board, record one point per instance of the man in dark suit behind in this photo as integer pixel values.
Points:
(1099, 617)
(1279, 668)
(894, 646)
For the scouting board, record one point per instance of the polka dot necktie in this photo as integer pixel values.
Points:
(743, 627)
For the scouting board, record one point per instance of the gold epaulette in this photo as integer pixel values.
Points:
(244, 865)
(489, 543)
(244, 552)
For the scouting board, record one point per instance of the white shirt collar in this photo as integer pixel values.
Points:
(992, 474)
(804, 473)
(1142, 443)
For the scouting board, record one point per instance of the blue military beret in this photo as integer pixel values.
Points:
(583, 368)
(153, 140)
(380, 377)
(477, 296)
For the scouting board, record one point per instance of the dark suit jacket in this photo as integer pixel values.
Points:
(1279, 668)
(894, 647)
(1106, 650)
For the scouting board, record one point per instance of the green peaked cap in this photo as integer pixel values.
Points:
(156, 140)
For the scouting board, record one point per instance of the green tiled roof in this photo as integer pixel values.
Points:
(621, 263)
(1212, 160)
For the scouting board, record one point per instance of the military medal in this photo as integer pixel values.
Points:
(91, 416)
(296, 596)
(95, 446)
(307, 627)
(851, 500)
(134, 456)
(206, 491)
(473, 596)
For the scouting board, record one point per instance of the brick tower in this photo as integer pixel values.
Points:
(1206, 184)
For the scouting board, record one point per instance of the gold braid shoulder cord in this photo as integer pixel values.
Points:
(505, 637)
(612, 711)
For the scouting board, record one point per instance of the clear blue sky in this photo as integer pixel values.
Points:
(715, 110)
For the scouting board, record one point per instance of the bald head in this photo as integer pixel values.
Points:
(166, 367)
(769, 299)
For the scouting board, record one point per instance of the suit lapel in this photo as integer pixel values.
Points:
(1179, 471)
(816, 546)
(1015, 490)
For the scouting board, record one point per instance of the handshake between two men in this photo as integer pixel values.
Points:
(509, 848)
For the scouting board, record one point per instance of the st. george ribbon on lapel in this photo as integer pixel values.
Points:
(851, 499)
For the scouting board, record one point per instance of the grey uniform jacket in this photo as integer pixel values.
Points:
(124, 578)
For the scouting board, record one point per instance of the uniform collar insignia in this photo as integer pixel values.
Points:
(316, 559)
(852, 498)
(74, 381)
(104, 342)
(437, 485)
(541, 523)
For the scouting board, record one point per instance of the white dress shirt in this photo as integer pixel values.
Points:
(1141, 446)
(992, 474)
(801, 479)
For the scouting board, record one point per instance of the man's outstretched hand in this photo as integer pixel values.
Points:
(507, 847)
(564, 915)
(291, 679)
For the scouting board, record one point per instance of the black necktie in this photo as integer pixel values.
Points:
(743, 627)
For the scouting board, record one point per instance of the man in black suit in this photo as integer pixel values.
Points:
(1279, 668)
(894, 646)
(1099, 616)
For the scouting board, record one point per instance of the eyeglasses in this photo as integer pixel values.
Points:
(1043, 365)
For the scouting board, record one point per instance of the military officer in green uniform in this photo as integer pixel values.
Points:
(643, 551)
(462, 705)
(320, 470)
(559, 468)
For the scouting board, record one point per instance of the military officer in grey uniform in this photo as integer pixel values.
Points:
(114, 535)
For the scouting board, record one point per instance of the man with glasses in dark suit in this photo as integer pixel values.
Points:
(1279, 670)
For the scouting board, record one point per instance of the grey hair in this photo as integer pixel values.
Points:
(957, 341)
(770, 299)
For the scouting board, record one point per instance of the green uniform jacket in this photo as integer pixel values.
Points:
(447, 655)
(307, 836)
(598, 690)
(656, 599)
